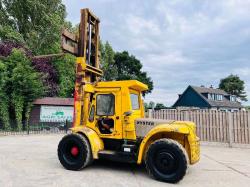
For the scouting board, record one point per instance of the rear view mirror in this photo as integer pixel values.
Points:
(128, 113)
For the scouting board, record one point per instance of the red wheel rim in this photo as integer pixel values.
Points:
(74, 151)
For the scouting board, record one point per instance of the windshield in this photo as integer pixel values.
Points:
(105, 104)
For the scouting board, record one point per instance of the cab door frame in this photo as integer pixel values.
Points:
(129, 125)
(117, 133)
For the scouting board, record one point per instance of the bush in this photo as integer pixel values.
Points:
(4, 116)
(65, 66)
(49, 76)
(20, 86)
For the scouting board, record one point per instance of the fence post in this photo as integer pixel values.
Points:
(66, 126)
(150, 113)
(28, 128)
(186, 116)
(230, 128)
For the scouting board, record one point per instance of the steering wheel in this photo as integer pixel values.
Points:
(101, 119)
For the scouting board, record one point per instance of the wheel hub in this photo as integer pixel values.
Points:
(165, 162)
(74, 151)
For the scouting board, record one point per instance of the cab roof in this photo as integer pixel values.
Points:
(133, 84)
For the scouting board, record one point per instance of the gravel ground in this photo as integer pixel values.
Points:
(32, 161)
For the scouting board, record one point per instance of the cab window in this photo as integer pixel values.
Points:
(135, 101)
(92, 114)
(105, 104)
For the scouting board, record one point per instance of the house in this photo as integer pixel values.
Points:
(207, 98)
(52, 110)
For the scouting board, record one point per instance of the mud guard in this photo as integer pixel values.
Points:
(182, 129)
(95, 141)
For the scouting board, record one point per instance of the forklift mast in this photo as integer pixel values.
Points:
(85, 46)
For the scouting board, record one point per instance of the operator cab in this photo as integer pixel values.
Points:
(115, 104)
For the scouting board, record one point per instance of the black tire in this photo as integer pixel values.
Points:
(81, 158)
(166, 160)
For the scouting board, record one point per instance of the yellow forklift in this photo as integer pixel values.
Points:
(109, 118)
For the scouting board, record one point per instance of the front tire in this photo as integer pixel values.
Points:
(74, 152)
(166, 160)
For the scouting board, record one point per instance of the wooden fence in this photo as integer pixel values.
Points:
(212, 125)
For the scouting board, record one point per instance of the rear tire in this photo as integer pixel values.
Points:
(166, 160)
(74, 152)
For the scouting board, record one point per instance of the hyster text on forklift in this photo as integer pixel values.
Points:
(109, 118)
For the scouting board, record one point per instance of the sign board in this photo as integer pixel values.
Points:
(56, 114)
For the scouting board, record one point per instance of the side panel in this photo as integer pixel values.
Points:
(144, 125)
(160, 129)
(95, 141)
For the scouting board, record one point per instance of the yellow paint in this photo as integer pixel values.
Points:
(129, 125)
(86, 93)
(81, 60)
(95, 141)
(180, 131)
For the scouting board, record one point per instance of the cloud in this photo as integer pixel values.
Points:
(195, 42)
(137, 25)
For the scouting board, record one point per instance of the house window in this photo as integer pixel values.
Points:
(215, 97)
(233, 98)
(219, 97)
(210, 96)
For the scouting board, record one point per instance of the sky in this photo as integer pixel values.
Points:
(179, 42)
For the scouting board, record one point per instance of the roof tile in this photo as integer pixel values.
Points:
(224, 103)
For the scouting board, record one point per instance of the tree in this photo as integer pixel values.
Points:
(57, 72)
(38, 23)
(49, 74)
(109, 68)
(4, 114)
(151, 105)
(23, 86)
(234, 85)
(71, 28)
(130, 68)
(65, 67)
(160, 106)
(122, 66)
(145, 106)
(8, 34)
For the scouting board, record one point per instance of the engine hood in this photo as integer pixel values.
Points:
(144, 125)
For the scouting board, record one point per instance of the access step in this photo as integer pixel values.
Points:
(117, 156)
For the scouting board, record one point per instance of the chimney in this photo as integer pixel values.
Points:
(211, 86)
